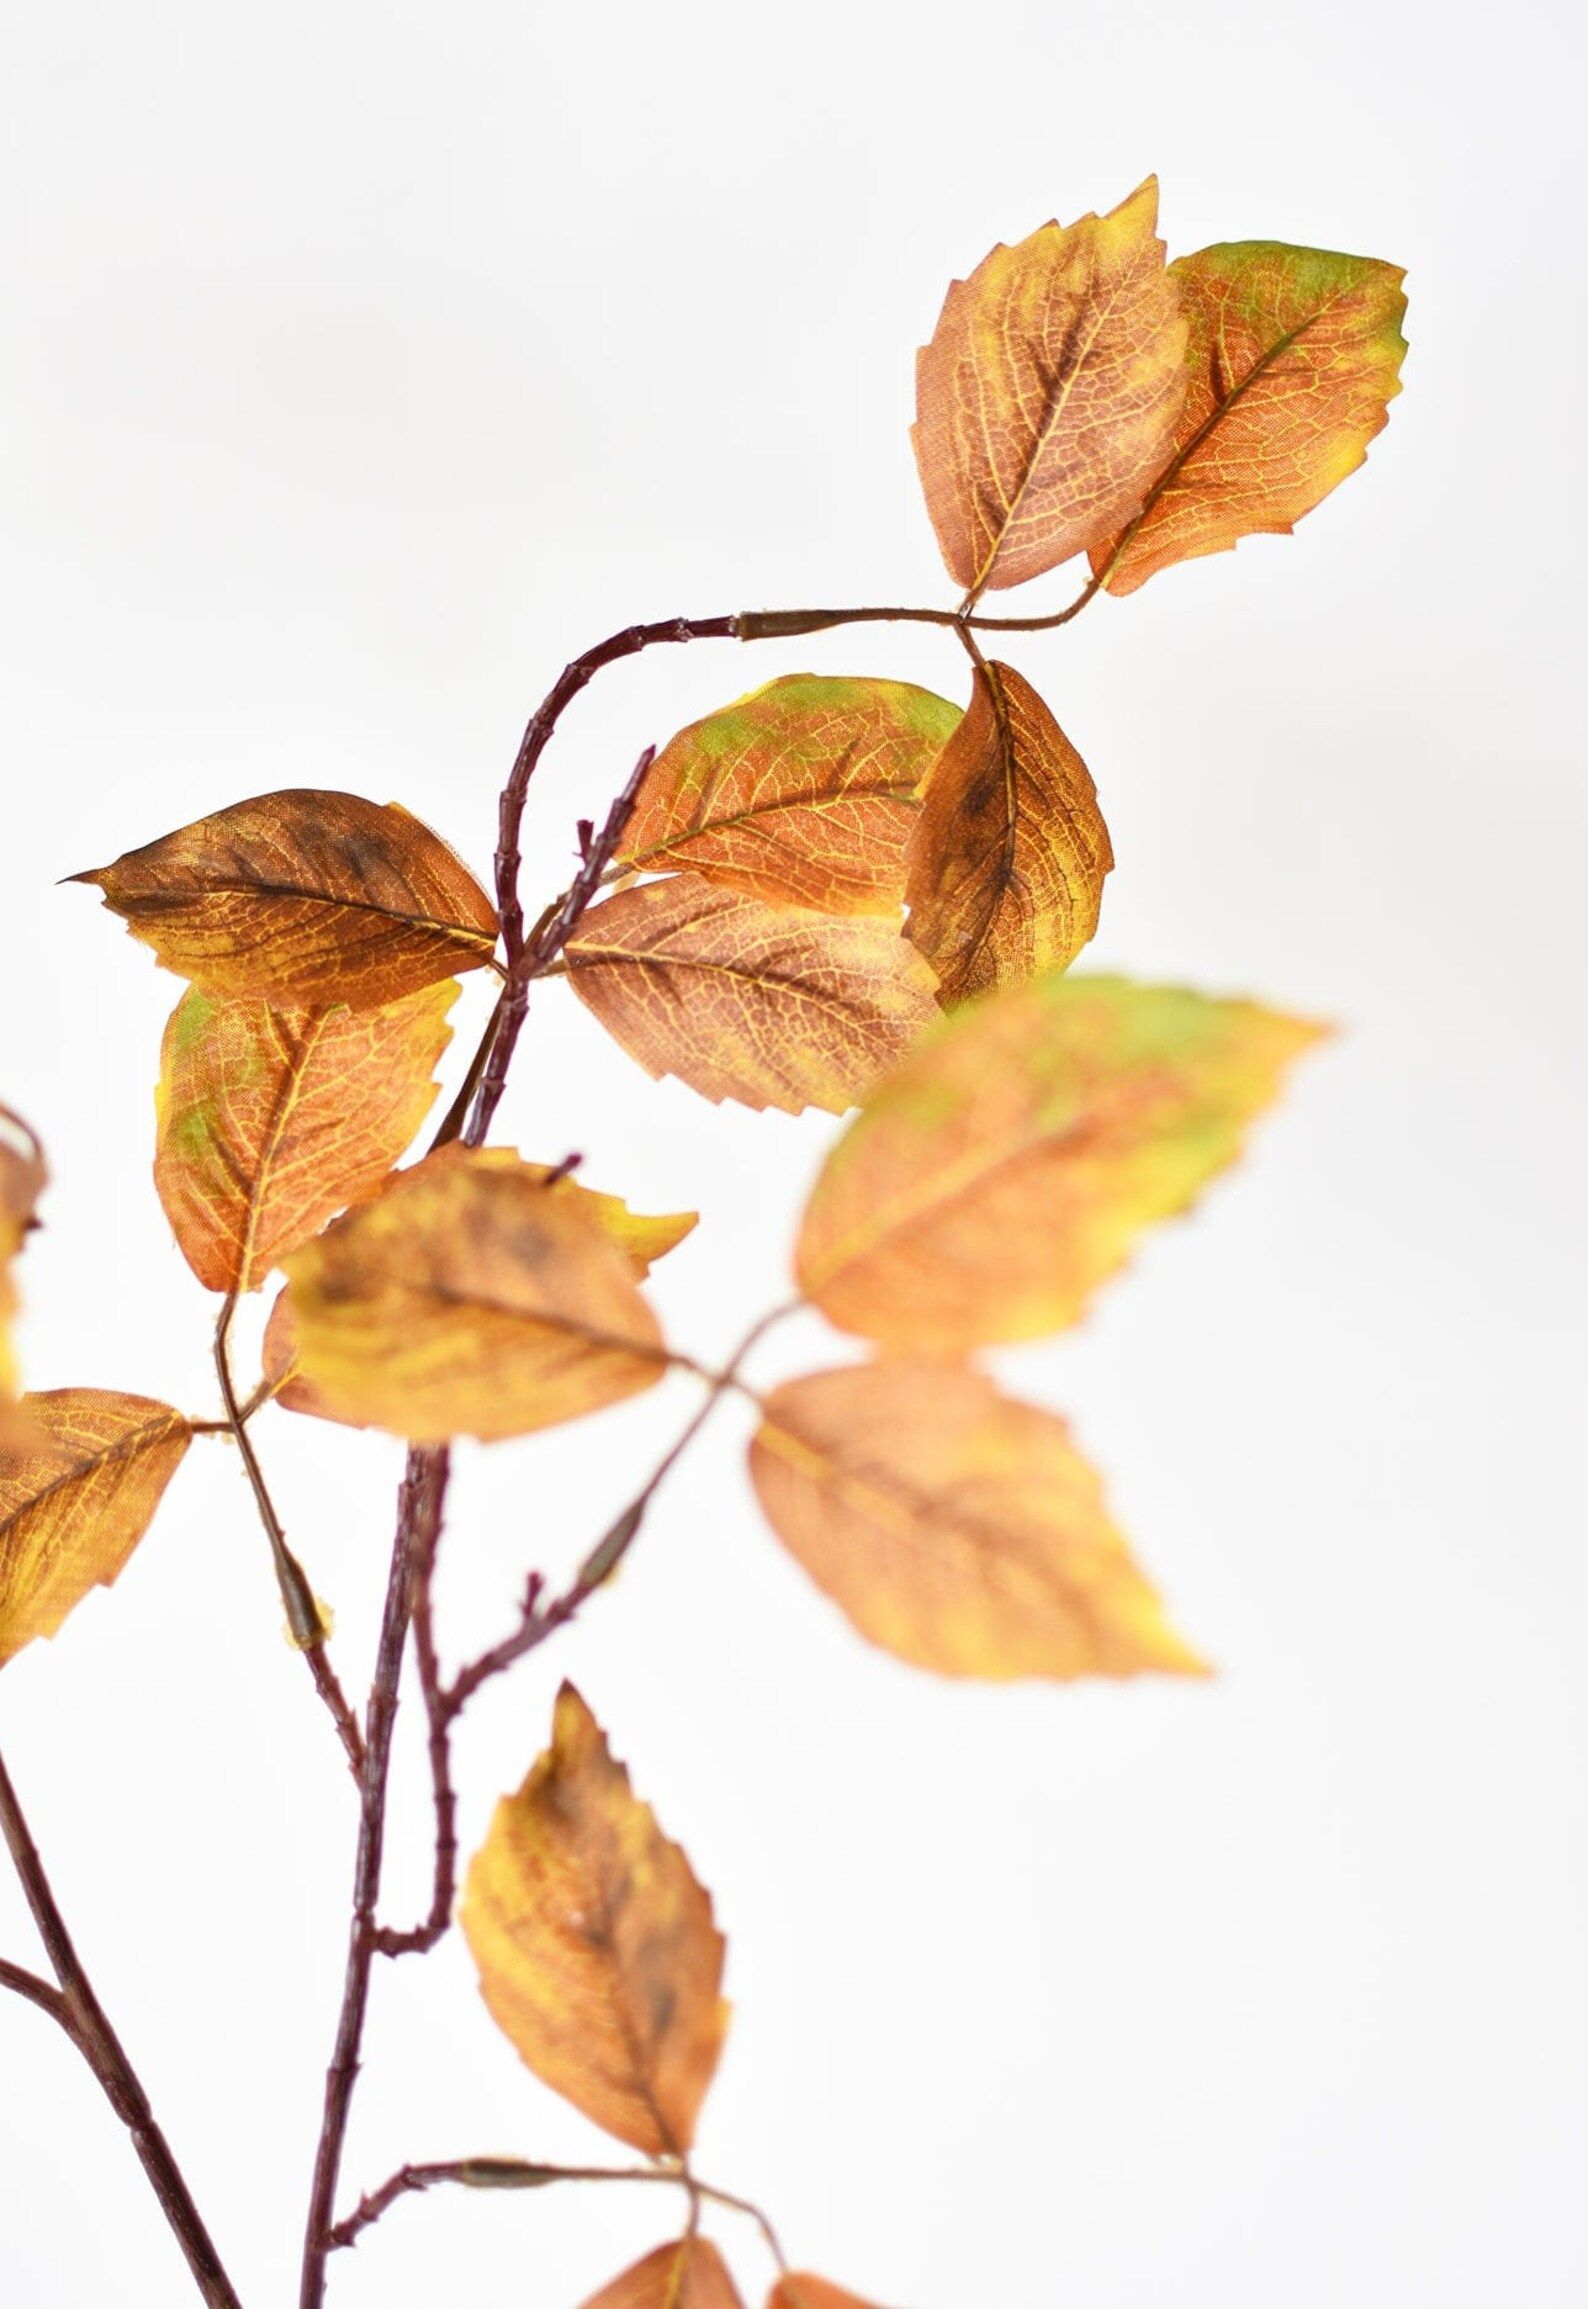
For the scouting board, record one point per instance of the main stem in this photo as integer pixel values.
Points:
(420, 1503)
(84, 2019)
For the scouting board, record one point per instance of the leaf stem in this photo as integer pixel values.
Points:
(511, 2173)
(80, 2013)
(305, 1619)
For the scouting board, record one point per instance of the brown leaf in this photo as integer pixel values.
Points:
(271, 1121)
(466, 1299)
(1006, 1167)
(73, 1509)
(597, 1952)
(1047, 399)
(802, 793)
(796, 2289)
(22, 1180)
(307, 899)
(957, 1529)
(1294, 356)
(690, 2274)
(768, 1005)
(1009, 852)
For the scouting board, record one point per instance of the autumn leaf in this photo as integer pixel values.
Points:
(642, 1237)
(306, 898)
(796, 2289)
(1294, 355)
(22, 1180)
(690, 2274)
(1009, 851)
(73, 1509)
(597, 1953)
(769, 1005)
(467, 1299)
(959, 1530)
(1006, 1167)
(802, 793)
(1048, 396)
(270, 1121)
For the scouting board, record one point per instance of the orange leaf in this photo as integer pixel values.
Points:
(306, 898)
(73, 1508)
(957, 1529)
(688, 2275)
(465, 1299)
(1294, 356)
(1005, 1169)
(1009, 852)
(22, 1180)
(802, 793)
(764, 1004)
(597, 1952)
(270, 1121)
(796, 2289)
(1047, 399)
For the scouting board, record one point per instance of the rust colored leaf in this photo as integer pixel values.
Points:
(22, 1180)
(769, 1005)
(466, 1299)
(73, 1509)
(1294, 356)
(1009, 851)
(796, 2289)
(271, 1121)
(802, 793)
(959, 1530)
(597, 1952)
(1006, 1167)
(1047, 398)
(305, 898)
(690, 2274)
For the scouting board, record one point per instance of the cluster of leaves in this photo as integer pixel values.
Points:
(843, 893)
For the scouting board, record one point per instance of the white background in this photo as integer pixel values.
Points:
(359, 365)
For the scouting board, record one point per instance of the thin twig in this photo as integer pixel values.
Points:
(511, 2173)
(21, 1982)
(81, 2014)
(420, 1504)
(444, 1703)
(305, 1620)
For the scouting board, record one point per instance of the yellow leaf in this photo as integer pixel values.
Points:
(465, 1299)
(796, 2289)
(22, 1180)
(643, 1238)
(597, 1952)
(73, 1509)
(690, 2274)
(1294, 356)
(1009, 852)
(769, 1005)
(957, 1529)
(1005, 1169)
(306, 898)
(1047, 399)
(802, 793)
(270, 1121)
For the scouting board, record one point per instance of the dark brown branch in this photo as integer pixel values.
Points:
(420, 1503)
(305, 1620)
(83, 2017)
